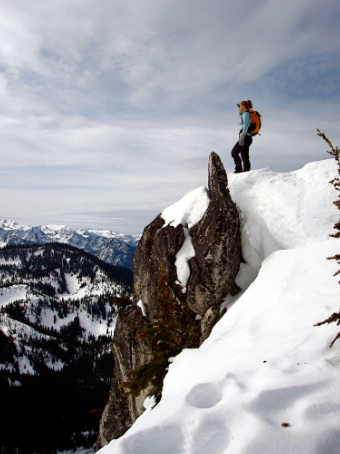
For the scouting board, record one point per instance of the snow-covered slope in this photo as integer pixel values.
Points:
(265, 381)
(284, 211)
(113, 248)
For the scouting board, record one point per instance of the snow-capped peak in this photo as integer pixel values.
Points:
(53, 227)
(12, 225)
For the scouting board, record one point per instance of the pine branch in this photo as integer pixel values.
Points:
(335, 317)
(335, 152)
(336, 337)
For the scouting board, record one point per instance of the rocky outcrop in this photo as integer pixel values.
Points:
(216, 241)
(217, 244)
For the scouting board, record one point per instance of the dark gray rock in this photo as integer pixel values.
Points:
(217, 243)
(158, 245)
(208, 321)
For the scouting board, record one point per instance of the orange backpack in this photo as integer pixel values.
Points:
(256, 122)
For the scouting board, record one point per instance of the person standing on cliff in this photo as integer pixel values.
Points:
(245, 139)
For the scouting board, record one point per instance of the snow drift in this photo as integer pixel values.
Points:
(265, 381)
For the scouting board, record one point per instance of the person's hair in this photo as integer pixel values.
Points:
(247, 104)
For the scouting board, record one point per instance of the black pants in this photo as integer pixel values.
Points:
(244, 152)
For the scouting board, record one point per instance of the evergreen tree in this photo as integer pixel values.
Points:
(164, 334)
(335, 152)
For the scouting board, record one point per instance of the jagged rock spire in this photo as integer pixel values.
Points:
(217, 180)
(217, 243)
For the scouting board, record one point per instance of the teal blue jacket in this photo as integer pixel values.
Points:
(244, 122)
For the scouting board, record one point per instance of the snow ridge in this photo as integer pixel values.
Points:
(265, 381)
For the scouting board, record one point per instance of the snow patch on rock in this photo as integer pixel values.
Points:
(149, 403)
(142, 307)
(183, 257)
(189, 210)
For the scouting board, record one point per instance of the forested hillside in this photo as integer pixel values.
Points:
(57, 317)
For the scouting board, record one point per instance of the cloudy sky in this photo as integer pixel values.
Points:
(109, 108)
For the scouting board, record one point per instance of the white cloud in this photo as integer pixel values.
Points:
(116, 104)
(156, 47)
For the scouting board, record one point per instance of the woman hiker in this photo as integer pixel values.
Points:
(242, 145)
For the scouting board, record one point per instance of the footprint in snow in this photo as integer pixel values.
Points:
(204, 395)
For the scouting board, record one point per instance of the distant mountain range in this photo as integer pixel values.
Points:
(58, 310)
(113, 248)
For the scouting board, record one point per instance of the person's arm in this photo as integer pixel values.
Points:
(246, 124)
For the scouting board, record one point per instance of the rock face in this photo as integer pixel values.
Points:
(158, 244)
(217, 244)
(216, 241)
(129, 354)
